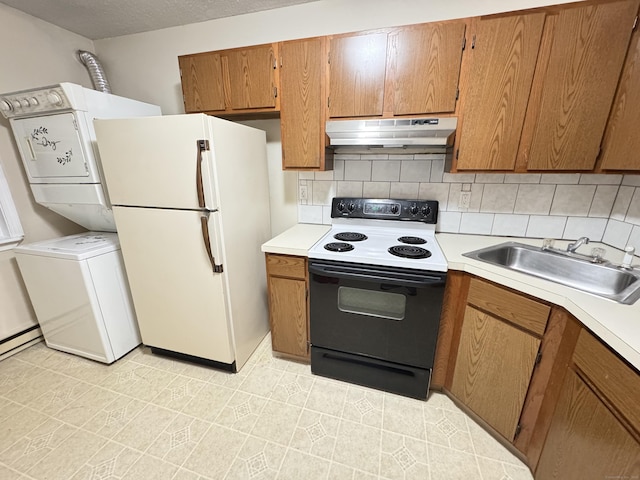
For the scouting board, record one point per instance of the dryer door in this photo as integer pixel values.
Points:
(52, 149)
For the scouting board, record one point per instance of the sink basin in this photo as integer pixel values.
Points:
(604, 280)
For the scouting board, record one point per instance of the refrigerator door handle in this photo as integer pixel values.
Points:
(204, 222)
(202, 145)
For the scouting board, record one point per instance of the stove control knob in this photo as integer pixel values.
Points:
(34, 102)
(351, 207)
(341, 206)
(414, 209)
(54, 99)
(394, 208)
(16, 104)
(426, 210)
(25, 103)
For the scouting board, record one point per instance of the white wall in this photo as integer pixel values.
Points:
(33, 54)
(145, 66)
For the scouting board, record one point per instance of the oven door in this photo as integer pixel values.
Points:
(382, 313)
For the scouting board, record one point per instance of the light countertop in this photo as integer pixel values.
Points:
(617, 325)
(297, 240)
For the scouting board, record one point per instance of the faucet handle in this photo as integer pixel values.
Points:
(628, 256)
(598, 254)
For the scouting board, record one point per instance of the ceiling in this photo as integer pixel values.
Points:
(96, 19)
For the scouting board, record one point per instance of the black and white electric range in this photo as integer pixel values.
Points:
(377, 283)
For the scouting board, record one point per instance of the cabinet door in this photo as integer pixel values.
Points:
(493, 368)
(621, 146)
(287, 299)
(302, 103)
(577, 82)
(202, 86)
(251, 77)
(586, 440)
(503, 59)
(424, 62)
(357, 74)
(288, 312)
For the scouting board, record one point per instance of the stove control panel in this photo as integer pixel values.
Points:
(425, 211)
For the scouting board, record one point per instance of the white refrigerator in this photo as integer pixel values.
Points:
(190, 199)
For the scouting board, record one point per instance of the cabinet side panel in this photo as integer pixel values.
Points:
(301, 118)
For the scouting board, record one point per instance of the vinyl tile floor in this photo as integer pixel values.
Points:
(63, 417)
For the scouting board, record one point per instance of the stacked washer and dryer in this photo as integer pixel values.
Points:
(77, 284)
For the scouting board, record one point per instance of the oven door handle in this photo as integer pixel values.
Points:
(371, 274)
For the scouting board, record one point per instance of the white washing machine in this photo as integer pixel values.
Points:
(79, 291)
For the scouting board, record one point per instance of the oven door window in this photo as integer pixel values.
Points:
(391, 306)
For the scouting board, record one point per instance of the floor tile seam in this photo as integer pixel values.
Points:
(53, 371)
(364, 425)
(377, 475)
(49, 417)
(355, 470)
(384, 405)
(9, 467)
(515, 463)
(251, 436)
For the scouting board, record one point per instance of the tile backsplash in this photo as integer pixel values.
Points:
(602, 207)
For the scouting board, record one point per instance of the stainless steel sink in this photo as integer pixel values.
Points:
(602, 279)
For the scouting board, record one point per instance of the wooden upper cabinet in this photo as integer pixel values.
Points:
(576, 79)
(424, 67)
(503, 58)
(621, 144)
(250, 82)
(202, 86)
(302, 101)
(357, 66)
(230, 82)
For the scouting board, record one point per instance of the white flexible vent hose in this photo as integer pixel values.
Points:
(98, 77)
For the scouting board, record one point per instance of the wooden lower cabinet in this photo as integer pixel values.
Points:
(287, 283)
(500, 337)
(542, 384)
(594, 431)
(586, 440)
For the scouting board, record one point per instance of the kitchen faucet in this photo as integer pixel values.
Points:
(572, 247)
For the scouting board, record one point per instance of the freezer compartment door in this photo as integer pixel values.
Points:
(52, 149)
(158, 161)
(179, 299)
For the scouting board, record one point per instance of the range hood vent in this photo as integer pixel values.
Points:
(393, 133)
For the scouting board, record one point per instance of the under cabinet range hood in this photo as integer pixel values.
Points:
(393, 133)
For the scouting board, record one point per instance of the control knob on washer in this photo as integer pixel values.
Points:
(6, 106)
(413, 209)
(54, 98)
(341, 206)
(426, 210)
(351, 207)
